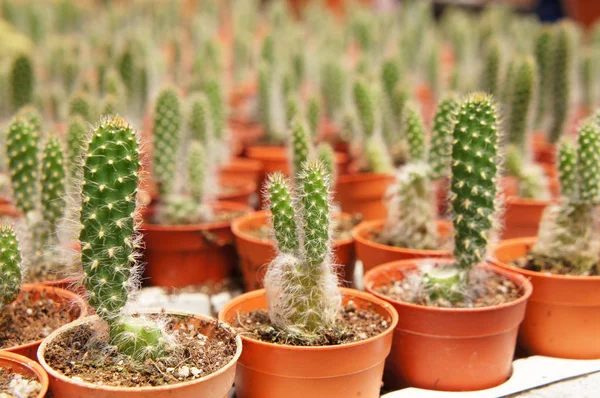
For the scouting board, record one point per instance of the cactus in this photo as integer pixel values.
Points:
(196, 170)
(167, 136)
(33, 117)
(313, 114)
(10, 266)
(81, 104)
(491, 67)
(53, 183)
(22, 82)
(326, 155)
(333, 85)
(562, 54)
(301, 285)
(440, 150)
(567, 236)
(110, 106)
(377, 156)
(474, 186)
(22, 152)
(364, 99)
(588, 78)
(200, 119)
(270, 110)
(215, 99)
(543, 61)
(76, 136)
(109, 241)
(126, 69)
(300, 144)
(415, 133)
(390, 76)
(521, 96)
(433, 67)
(293, 107)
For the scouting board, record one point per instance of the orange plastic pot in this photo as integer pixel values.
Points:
(267, 370)
(18, 364)
(184, 255)
(450, 349)
(256, 254)
(363, 193)
(543, 151)
(9, 210)
(245, 133)
(215, 385)
(64, 299)
(242, 168)
(563, 314)
(373, 254)
(236, 189)
(522, 216)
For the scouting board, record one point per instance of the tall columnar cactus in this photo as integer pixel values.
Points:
(53, 182)
(491, 67)
(521, 97)
(415, 133)
(562, 56)
(333, 87)
(301, 284)
(76, 136)
(474, 186)
(217, 106)
(126, 70)
(390, 76)
(271, 111)
(167, 136)
(10, 266)
(326, 155)
(109, 240)
(588, 78)
(196, 170)
(200, 119)
(300, 144)
(440, 151)
(33, 117)
(543, 60)
(313, 114)
(364, 99)
(81, 104)
(22, 82)
(22, 151)
(568, 236)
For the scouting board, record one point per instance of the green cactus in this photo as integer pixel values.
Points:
(269, 107)
(76, 136)
(377, 156)
(81, 104)
(22, 151)
(215, 99)
(588, 78)
(167, 136)
(326, 155)
(561, 64)
(10, 266)
(196, 170)
(521, 97)
(22, 82)
(491, 67)
(390, 76)
(268, 50)
(300, 144)
(333, 85)
(543, 46)
(364, 99)
(474, 186)
(53, 183)
(567, 236)
(33, 117)
(300, 283)
(415, 133)
(440, 151)
(293, 107)
(200, 119)
(126, 70)
(313, 114)
(433, 67)
(109, 241)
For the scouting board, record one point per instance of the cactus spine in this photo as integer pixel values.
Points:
(562, 54)
(22, 151)
(10, 266)
(109, 241)
(440, 150)
(167, 136)
(21, 82)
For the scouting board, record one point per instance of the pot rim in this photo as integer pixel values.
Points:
(530, 240)
(357, 234)
(517, 200)
(39, 372)
(520, 280)
(239, 233)
(346, 292)
(239, 162)
(243, 187)
(220, 205)
(93, 318)
(71, 298)
(366, 176)
(281, 153)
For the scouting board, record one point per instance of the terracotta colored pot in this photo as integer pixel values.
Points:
(373, 254)
(18, 364)
(238, 190)
(64, 299)
(184, 255)
(9, 210)
(215, 385)
(245, 133)
(563, 314)
(451, 349)
(268, 370)
(543, 152)
(256, 254)
(522, 217)
(246, 169)
(363, 193)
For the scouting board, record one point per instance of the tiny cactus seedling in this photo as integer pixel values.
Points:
(440, 150)
(10, 266)
(167, 137)
(22, 82)
(562, 54)
(301, 284)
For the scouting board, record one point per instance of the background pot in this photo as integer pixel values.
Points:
(268, 370)
(522, 217)
(215, 385)
(18, 364)
(236, 189)
(454, 349)
(184, 255)
(373, 254)
(246, 169)
(255, 254)
(362, 193)
(64, 299)
(563, 314)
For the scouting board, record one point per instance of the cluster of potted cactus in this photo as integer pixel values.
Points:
(277, 146)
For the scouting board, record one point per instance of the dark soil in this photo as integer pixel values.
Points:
(485, 289)
(26, 320)
(85, 354)
(355, 324)
(31, 384)
(342, 229)
(550, 265)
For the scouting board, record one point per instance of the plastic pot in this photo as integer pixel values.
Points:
(363, 193)
(246, 169)
(543, 151)
(522, 216)
(215, 385)
(451, 349)
(64, 299)
(9, 210)
(184, 255)
(256, 254)
(373, 254)
(239, 190)
(18, 364)
(563, 314)
(267, 370)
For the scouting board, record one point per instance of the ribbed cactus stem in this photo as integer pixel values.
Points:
(491, 67)
(588, 163)
(314, 204)
(53, 182)
(167, 136)
(300, 145)
(76, 136)
(10, 266)
(327, 156)
(567, 169)
(377, 156)
(521, 97)
(22, 82)
(542, 51)
(415, 133)
(440, 151)
(22, 151)
(333, 86)
(200, 119)
(282, 212)
(390, 76)
(562, 54)
(364, 99)
(196, 163)
(217, 106)
(109, 241)
(313, 115)
(80, 104)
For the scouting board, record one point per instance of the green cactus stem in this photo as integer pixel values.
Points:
(378, 159)
(364, 99)
(81, 104)
(588, 78)
(76, 136)
(200, 121)
(167, 138)
(126, 69)
(22, 151)
(53, 183)
(313, 114)
(567, 169)
(491, 67)
(300, 144)
(440, 151)
(521, 97)
(333, 86)
(109, 241)
(22, 82)
(196, 170)
(215, 99)
(33, 117)
(283, 213)
(10, 266)
(543, 54)
(415, 133)
(326, 154)
(562, 55)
